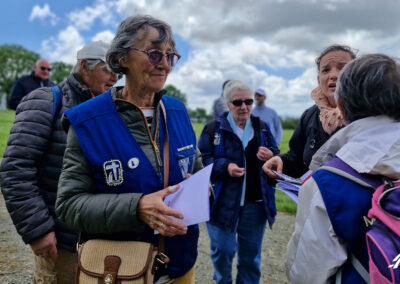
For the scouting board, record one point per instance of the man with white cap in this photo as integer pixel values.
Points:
(267, 114)
(32, 163)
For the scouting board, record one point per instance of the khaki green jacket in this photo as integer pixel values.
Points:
(78, 206)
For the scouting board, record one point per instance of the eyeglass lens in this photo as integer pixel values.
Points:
(44, 68)
(240, 102)
(107, 69)
(155, 57)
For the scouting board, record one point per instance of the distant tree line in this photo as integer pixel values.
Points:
(289, 122)
(16, 61)
(196, 115)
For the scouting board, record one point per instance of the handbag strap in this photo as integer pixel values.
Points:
(161, 239)
(166, 147)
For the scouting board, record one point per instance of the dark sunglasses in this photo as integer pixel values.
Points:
(44, 68)
(155, 56)
(239, 103)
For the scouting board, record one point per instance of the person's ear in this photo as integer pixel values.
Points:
(229, 105)
(318, 81)
(339, 106)
(123, 62)
(83, 68)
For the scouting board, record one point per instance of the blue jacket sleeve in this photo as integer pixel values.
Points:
(17, 92)
(206, 147)
(278, 130)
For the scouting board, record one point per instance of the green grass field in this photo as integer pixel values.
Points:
(6, 121)
(283, 203)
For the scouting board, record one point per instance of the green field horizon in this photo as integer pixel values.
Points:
(283, 203)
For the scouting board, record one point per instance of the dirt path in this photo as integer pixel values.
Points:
(16, 257)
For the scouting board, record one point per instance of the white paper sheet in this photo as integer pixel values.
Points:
(192, 198)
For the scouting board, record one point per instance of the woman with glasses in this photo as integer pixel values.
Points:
(112, 183)
(238, 144)
(320, 121)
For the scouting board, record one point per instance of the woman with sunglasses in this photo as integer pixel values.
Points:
(112, 183)
(238, 144)
(318, 122)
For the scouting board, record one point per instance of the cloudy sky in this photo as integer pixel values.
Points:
(265, 43)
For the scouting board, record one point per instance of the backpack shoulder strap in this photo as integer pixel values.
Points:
(339, 167)
(263, 125)
(57, 95)
(211, 128)
(263, 132)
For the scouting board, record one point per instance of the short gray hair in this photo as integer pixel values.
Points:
(90, 64)
(370, 86)
(234, 85)
(128, 35)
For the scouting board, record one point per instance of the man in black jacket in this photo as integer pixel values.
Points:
(26, 84)
(32, 164)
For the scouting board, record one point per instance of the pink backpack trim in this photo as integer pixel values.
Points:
(378, 212)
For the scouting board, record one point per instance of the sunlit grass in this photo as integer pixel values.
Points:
(6, 121)
(283, 203)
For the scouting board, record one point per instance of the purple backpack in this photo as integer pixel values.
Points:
(383, 238)
(383, 235)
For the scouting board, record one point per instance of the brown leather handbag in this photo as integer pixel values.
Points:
(109, 262)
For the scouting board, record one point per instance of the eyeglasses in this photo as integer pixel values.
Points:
(155, 56)
(44, 68)
(107, 69)
(239, 103)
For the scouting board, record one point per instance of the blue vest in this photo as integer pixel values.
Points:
(346, 203)
(119, 165)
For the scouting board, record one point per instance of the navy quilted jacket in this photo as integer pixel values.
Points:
(32, 163)
(225, 210)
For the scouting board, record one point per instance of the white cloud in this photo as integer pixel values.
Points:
(83, 19)
(264, 43)
(106, 36)
(206, 69)
(43, 14)
(64, 46)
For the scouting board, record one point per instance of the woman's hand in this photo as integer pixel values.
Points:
(157, 215)
(275, 163)
(235, 171)
(264, 153)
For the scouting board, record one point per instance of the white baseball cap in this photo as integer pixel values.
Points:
(261, 92)
(94, 50)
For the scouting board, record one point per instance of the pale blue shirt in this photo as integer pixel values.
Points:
(270, 116)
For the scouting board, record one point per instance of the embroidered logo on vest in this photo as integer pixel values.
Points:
(133, 163)
(217, 139)
(184, 166)
(113, 172)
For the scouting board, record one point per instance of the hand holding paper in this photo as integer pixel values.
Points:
(289, 185)
(192, 198)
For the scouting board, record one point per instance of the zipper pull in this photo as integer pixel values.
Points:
(158, 156)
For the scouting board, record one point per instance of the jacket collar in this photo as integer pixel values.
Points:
(78, 88)
(369, 145)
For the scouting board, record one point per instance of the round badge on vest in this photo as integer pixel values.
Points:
(133, 163)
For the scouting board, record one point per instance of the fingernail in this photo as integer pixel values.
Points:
(173, 188)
